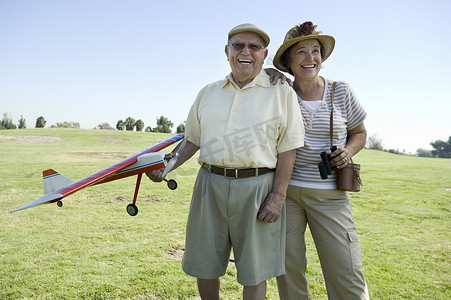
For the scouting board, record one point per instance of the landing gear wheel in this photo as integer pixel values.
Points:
(132, 209)
(59, 203)
(172, 184)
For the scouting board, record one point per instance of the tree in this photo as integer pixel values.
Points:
(40, 122)
(181, 127)
(104, 126)
(129, 123)
(442, 149)
(7, 122)
(396, 151)
(22, 123)
(120, 125)
(424, 153)
(163, 125)
(374, 142)
(149, 129)
(139, 125)
(66, 124)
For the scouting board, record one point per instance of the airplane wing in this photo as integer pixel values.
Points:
(100, 175)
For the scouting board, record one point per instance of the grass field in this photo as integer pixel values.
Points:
(92, 249)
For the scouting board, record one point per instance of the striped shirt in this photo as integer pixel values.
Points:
(348, 113)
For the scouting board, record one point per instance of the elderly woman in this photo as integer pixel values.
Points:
(310, 199)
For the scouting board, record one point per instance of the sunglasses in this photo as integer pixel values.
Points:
(252, 47)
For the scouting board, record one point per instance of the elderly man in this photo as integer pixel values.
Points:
(247, 131)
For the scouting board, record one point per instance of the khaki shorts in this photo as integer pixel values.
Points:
(223, 215)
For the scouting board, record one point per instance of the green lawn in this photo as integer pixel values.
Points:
(92, 249)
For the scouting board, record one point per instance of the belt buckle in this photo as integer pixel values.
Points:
(236, 172)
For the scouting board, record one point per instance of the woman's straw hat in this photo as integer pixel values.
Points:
(299, 33)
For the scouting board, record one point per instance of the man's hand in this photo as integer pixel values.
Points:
(156, 175)
(187, 152)
(275, 75)
(271, 208)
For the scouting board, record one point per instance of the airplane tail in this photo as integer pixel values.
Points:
(54, 181)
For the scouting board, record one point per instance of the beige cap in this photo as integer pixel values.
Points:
(247, 27)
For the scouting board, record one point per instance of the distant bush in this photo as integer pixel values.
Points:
(66, 125)
(104, 126)
(424, 153)
(395, 151)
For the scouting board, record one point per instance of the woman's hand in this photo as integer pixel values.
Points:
(275, 75)
(341, 158)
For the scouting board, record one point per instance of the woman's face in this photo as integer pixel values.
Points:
(305, 59)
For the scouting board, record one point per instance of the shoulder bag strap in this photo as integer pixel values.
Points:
(331, 130)
(331, 133)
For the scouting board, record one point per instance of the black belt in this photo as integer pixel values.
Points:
(236, 173)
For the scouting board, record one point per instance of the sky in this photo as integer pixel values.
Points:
(100, 61)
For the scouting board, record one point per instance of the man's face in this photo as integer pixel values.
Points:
(247, 62)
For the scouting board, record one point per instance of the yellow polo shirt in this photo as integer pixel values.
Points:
(245, 128)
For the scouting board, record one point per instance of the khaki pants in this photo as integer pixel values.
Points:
(328, 214)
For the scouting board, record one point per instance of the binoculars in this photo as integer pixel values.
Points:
(324, 166)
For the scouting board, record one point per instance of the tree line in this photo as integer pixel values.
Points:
(442, 149)
(164, 125)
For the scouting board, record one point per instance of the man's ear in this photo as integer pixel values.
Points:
(226, 50)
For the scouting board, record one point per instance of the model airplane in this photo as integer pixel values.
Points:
(56, 186)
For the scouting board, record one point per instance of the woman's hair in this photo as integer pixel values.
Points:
(286, 61)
